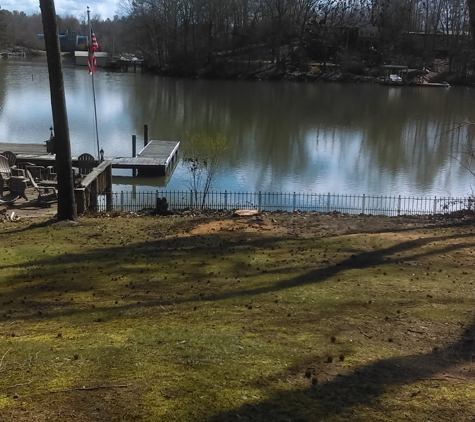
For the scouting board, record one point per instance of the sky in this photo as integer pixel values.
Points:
(104, 8)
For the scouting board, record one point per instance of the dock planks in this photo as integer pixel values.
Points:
(28, 149)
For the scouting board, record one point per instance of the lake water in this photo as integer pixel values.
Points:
(282, 136)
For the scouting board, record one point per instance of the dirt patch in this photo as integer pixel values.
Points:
(304, 225)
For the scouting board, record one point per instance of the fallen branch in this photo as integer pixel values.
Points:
(90, 388)
(20, 385)
(3, 357)
(456, 378)
(414, 331)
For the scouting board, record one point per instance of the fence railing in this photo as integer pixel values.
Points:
(290, 202)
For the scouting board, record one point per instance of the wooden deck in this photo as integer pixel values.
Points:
(28, 149)
(158, 158)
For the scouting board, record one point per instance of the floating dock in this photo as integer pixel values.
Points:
(157, 158)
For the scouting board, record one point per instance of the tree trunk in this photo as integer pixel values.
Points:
(66, 202)
(471, 11)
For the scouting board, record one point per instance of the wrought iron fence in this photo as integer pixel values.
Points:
(290, 202)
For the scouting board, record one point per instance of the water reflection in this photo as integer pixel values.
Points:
(282, 136)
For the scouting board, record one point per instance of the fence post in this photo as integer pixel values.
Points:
(191, 199)
(225, 199)
(293, 202)
(362, 208)
(259, 201)
(435, 205)
(399, 206)
(328, 202)
(122, 200)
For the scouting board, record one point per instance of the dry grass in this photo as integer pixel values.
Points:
(284, 317)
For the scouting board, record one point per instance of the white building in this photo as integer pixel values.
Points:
(80, 58)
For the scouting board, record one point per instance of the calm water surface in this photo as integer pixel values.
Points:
(282, 136)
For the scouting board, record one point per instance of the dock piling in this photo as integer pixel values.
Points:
(145, 135)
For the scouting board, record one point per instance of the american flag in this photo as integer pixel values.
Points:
(91, 59)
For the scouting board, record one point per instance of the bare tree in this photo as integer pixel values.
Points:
(202, 156)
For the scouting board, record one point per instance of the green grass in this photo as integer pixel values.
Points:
(152, 319)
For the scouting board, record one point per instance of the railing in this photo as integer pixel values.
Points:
(94, 191)
(290, 202)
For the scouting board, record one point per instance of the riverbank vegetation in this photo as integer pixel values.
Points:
(279, 39)
(218, 318)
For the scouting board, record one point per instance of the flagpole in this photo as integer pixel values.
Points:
(90, 52)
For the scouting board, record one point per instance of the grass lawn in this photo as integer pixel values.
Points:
(281, 317)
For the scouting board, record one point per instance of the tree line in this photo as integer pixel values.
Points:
(231, 37)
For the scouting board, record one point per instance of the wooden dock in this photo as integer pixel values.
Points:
(157, 158)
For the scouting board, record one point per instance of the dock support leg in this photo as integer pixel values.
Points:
(80, 196)
(134, 152)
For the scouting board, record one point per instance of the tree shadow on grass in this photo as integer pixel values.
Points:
(133, 261)
(340, 397)
(324, 400)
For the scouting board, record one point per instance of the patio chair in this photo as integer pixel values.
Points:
(18, 185)
(11, 157)
(35, 171)
(49, 173)
(15, 169)
(5, 173)
(46, 194)
(86, 162)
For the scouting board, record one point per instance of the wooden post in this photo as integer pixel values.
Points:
(80, 196)
(109, 187)
(145, 135)
(94, 192)
(134, 152)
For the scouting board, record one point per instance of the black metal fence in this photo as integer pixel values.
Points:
(290, 202)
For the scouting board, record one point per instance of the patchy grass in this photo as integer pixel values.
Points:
(298, 317)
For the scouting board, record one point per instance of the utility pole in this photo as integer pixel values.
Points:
(62, 145)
